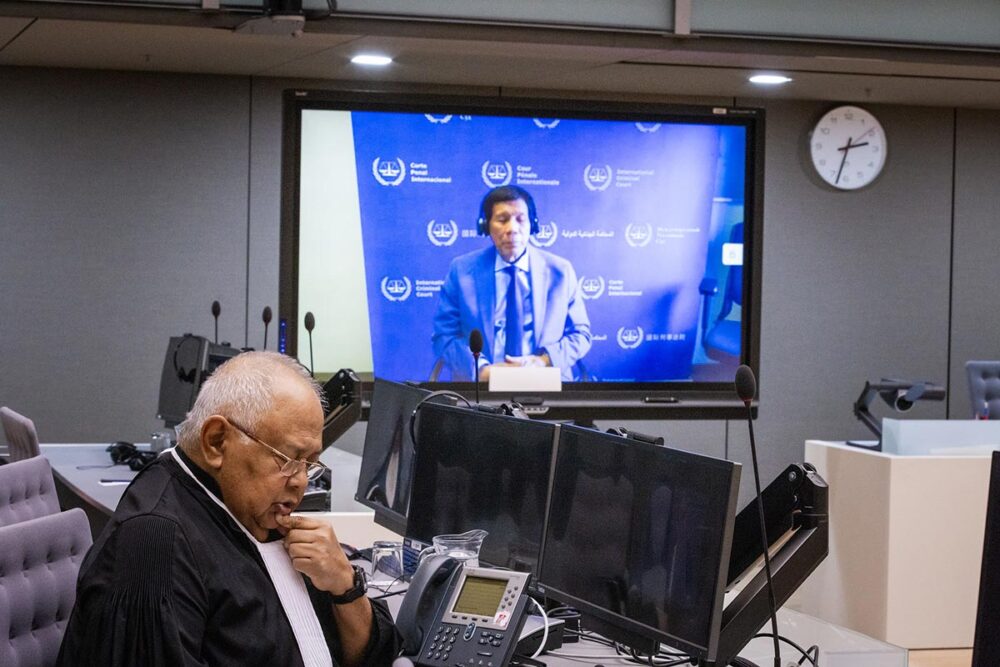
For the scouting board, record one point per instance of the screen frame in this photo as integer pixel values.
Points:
(577, 400)
(617, 627)
(387, 516)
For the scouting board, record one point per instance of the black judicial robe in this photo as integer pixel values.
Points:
(173, 581)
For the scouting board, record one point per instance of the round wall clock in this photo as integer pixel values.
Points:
(848, 147)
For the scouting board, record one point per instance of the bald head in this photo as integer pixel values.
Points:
(243, 388)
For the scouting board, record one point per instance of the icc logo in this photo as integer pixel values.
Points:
(496, 174)
(546, 123)
(438, 118)
(396, 289)
(591, 288)
(629, 339)
(638, 236)
(442, 233)
(389, 172)
(648, 127)
(597, 178)
(546, 235)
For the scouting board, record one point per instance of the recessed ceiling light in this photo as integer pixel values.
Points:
(371, 59)
(769, 79)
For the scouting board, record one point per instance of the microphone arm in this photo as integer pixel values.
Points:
(797, 501)
(343, 397)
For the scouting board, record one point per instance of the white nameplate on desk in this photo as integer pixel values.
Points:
(940, 437)
(525, 378)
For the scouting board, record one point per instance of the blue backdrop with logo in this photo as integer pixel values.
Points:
(640, 209)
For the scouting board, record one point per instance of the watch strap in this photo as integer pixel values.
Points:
(356, 591)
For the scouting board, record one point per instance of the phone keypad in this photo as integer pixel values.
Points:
(442, 643)
(485, 641)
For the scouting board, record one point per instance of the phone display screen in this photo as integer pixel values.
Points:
(480, 596)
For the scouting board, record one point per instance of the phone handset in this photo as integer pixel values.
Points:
(452, 615)
(423, 598)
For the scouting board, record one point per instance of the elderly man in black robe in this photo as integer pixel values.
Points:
(202, 562)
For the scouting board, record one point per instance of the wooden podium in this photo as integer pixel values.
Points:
(906, 542)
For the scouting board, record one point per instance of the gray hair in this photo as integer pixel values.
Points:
(241, 388)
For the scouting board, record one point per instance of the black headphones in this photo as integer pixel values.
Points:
(185, 375)
(502, 194)
(125, 453)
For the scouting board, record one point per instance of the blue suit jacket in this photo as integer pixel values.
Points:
(468, 301)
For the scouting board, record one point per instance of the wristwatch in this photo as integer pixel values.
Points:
(354, 592)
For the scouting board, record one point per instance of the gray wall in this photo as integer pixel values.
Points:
(975, 325)
(123, 215)
(130, 201)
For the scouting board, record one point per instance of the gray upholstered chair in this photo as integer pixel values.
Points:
(39, 563)
(27, 491)
(21, 435)
(984, 387)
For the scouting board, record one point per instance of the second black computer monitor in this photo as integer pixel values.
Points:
(638, 539)
(386, 465)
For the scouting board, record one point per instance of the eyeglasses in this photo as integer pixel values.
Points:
(291, 467)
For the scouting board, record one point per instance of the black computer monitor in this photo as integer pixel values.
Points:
(387, 460)
(189, 361)
(986, 645)
(479, 470)
(638, 539)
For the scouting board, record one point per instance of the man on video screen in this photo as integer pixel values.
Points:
(525, 301)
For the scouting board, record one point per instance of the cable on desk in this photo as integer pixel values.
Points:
(603, 657)
(658, 659)
(387, 587)
(806, 654)
(545, 630)
(586, 635)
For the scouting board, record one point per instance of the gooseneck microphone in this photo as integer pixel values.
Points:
(310, 325)
(746, 389)
(476, 347)
(266, 316)
(216, 310)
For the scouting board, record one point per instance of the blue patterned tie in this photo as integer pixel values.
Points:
(514, 331)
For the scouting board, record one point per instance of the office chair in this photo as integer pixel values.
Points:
(984, 388)
(40, 560)
(722, 338)
(27, 491)
(21, 435)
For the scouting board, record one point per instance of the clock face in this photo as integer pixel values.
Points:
(848, 147)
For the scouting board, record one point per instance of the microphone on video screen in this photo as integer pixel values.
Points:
(746, 384)
(310, 325)
(476, 347)
(216, 310)
(266, 316)
(746, 389)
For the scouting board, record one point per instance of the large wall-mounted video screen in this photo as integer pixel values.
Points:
(637, 238)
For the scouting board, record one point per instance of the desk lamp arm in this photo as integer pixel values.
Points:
(862, 411)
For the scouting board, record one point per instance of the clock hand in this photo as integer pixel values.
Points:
(850, 146)
(843, 159)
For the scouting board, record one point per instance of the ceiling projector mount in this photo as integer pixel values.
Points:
(283, 17)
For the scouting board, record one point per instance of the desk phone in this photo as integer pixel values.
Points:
(462, 616)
